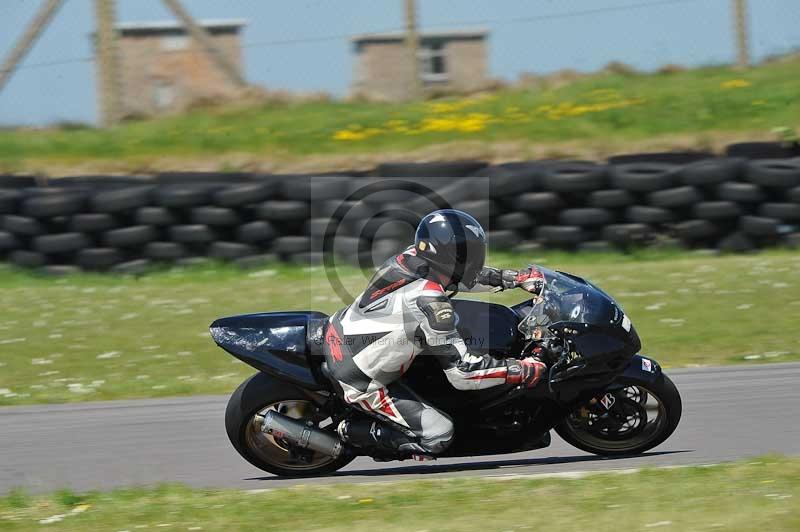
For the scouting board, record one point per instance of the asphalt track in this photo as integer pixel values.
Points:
(728, 413)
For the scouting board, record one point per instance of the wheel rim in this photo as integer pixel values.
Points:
(637, 418)
(275, 452)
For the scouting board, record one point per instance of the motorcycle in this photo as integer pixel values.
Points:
(599, 395)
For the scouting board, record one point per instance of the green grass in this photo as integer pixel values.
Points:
(623, 107)
(757, 495)
(97, 337)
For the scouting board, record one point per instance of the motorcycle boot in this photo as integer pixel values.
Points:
(378, 439)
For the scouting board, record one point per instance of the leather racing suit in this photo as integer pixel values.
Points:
(403, 312)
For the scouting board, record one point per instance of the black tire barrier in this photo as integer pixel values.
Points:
(763, 150)
(130, 224)
(672, 157)
(436, 169)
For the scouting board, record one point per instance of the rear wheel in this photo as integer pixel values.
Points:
(643, 415)
(244, 415)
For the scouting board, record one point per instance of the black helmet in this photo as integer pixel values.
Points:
(454, 244)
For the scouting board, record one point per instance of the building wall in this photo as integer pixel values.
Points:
(157, 78)
(383, 73)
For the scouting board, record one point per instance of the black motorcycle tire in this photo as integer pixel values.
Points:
(254, 394)
(664, 389)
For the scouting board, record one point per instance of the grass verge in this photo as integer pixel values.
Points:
(97, 337)
(757, 495)
(621, 106)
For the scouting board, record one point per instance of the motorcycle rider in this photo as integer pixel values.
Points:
(404, 312)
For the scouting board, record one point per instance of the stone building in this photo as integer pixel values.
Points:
(162, 69)
(450, 60)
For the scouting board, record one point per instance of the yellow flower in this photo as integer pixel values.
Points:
(734, 84)
(347, 134)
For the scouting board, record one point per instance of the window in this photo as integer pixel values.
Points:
(173, 43)
(163, 94)
(433, 62)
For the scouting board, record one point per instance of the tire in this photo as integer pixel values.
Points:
(575, 177)
(644, 177)
(434, 169)
(740, 192)
(794, 195)
(165, 251)
(22, 225)
(98, 259)
(27, 259)
(60, 243)
(184, 195)
(512, 179)
(252, 396)
(711, 172)
(157, 216)
(283, 211)
(350, 210)
(677, 157)
(290, 245)
(195, 178)
(8, 242)
(230, 250)
(133, 267)
(774, 173)
(128, 237)
(785, 212)
(482, 210)
(626, 235)
(215, 216)
(675, 197)
(502, 240)
(192, 234)
(537, 202)
(560, 235)
(758, 226)
(51, 204)
(17, 181)
(696, 230)
(611, 199)
(315, 188)
(585, 217)
(736, 242)
(717, 210)
(9, 201)
(121, 200)
(317, 228)
(669, 396)
(760, 150)
(246, 194)
(92, 222)
(648, 215)
(515, 221)
(256, 232)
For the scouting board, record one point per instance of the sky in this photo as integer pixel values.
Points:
(303, 45)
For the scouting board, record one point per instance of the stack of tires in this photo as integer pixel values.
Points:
(128, 224)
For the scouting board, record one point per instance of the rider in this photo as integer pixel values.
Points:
(404, 312)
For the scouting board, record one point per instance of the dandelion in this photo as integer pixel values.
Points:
(734, 84)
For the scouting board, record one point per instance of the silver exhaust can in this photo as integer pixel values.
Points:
(301, 435)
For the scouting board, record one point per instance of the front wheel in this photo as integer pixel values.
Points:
(628, 420)
(244, 415)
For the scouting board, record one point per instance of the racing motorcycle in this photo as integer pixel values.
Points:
(599, 395)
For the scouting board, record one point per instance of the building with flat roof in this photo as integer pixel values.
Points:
(448, 60)
(162, 69)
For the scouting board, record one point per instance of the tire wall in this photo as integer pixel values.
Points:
(100, 223)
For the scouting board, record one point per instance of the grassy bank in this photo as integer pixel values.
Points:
(757, 495)
(97, 337)
(620, 106)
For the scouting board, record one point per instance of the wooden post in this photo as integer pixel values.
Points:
(108, 82)
(202, 37)
(742, 44)
(24, 44)
(412, 45)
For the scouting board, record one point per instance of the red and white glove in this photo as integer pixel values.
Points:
(527, 371)
(530, 279)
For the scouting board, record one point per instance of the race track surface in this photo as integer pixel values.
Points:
(728, 413)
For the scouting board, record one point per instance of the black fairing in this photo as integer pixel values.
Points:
(487, 327)
(273, 342)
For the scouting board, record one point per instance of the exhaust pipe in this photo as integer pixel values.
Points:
(301, 435)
